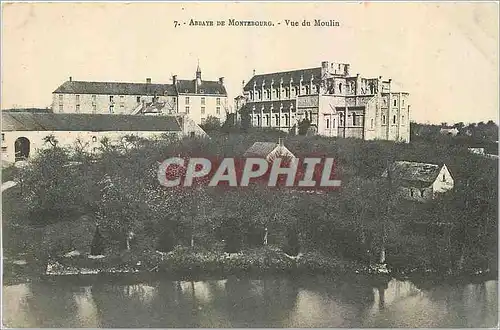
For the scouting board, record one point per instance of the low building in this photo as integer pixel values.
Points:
(333, 101)
(268, 150)
(23, 133)
(419, 181)
(451, 131)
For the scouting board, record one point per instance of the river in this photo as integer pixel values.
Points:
(271, 302)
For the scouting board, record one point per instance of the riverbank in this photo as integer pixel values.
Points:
(192, 264)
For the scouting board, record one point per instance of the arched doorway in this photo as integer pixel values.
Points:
(22, 148)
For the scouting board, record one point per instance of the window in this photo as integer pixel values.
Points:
(191, 134)
(203, 120)
(202, 110)
(60, 98)
(327, 123)
(371, 123)
(111, 109)
(111, 98)
(403, 102)
(394, 119)
(268, 120)
(287, 93)
(187, 99)
(217, 110)
(187, 109)
(402, 119)
(138, 99)
(77, 108)
(333, 123)
(77, 99)
(4, 149)
(3, 137)
(395, 102)
(340, 88)
(383, 119)
(60, 108)
(354, 119)
(444, 178)
(411, 192)
(93, 98)
(121, 98)
(202, 101)
(94, 139)
(94, 108)
(422, 193)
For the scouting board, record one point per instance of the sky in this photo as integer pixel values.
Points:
(444, 54)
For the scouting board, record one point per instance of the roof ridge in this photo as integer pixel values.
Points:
(283, 72)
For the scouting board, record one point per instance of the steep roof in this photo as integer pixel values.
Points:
(263, 149)
(115, 88)
(23, 121)
(414, 174)
(206, 87)
(306, 74)
(260, 149)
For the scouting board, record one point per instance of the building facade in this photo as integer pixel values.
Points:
(335, 103)
(24, 133)
(197, 98)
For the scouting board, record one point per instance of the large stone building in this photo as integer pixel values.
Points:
(23, 133)
(197, 98)
(336, 103)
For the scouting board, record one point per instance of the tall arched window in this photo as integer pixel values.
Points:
(340, 88)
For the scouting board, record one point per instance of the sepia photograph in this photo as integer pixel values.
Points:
(249, 164)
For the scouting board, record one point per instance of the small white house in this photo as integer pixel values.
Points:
(269, 151)
(449, 131)
(420, 181)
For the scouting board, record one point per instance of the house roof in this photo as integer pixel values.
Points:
(23, 121)
(414, 174)
(263, 149)
(206, 87)
(306, 74)
(28, 110)
(115, 88)
(260, 149)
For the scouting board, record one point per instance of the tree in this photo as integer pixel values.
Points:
(211, 124)
(304, 126)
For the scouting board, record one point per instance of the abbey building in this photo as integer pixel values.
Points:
(335, 103)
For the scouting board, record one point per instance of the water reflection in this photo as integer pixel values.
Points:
(269, 302)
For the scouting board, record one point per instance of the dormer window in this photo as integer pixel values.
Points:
(444, 178)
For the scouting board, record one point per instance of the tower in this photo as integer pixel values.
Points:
(198, 73)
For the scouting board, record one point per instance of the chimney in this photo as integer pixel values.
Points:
(148, 80)
(174, 79)
(221, 80)
(70, 78)
(243, 83)
(254, 72)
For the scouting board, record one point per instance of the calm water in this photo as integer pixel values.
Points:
(275, 302)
